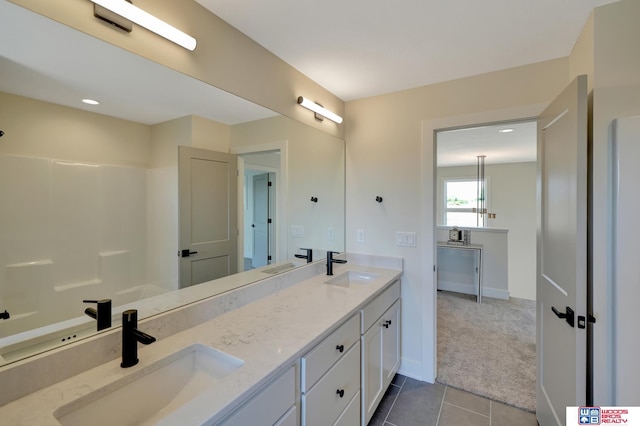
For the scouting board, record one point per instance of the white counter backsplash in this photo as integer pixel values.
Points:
(30, 375)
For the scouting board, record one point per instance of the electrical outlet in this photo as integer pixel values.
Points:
(330, 234)
(360, 235)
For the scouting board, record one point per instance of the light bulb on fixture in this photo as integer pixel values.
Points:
(319, 109)
(91, 101)
(148, 21)
(505, 130)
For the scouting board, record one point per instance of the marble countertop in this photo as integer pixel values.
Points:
(269, 335)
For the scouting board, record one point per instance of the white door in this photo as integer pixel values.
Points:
(372, 374)
(207, 196)
(562, 255)
(625, 291)
(260, 225)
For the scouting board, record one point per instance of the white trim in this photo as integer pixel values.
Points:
(428, 225)
(493, 293)
(282, 189)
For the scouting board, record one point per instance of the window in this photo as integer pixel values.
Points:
(460, 196)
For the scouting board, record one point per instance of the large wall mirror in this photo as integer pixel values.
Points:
(90, 194)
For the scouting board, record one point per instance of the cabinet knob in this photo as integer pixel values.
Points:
(340, 348)
(340, 392)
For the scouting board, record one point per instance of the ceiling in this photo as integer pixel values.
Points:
(39, 59)
(362, 48)
(462, 147)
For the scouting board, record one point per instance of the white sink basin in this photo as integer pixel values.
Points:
(352, 277)
(163, 387)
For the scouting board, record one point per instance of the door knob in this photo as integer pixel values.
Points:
(568, 315)
(187, 253)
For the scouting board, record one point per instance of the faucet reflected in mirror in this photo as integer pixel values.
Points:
(102, 315)
(130, 338)
(308, 256)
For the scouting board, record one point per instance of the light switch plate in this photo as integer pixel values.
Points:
(406, 239)
(296, 231)
(360, 235)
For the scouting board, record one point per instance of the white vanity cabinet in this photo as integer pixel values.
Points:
(274, 405)
(380, 347)
(330, 378)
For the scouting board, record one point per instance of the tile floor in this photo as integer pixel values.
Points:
(409, 402)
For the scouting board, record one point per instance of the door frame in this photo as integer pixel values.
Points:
(273, 173)
(282, 185)
(428, 215)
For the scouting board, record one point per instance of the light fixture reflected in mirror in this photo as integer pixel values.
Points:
(319, 110)
(148, 21)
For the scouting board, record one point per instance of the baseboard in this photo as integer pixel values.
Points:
(470, 289)
(411, 368)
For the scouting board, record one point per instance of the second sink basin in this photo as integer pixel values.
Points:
(351, 277)
(164, 386)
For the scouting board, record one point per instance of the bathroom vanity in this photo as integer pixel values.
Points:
(309, 349)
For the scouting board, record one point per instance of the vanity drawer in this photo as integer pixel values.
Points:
(324, 403)
(269, 405)
(351, 415)
(379, 305)
(330, 350)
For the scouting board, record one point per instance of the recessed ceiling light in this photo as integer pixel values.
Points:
(90, 101)
(505, 130)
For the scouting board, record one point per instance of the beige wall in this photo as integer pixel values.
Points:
(315, 167)
(224, 57)
(388, 155)
(512, 194)
(41, 129)
(581, 57)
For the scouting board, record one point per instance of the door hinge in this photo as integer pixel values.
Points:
(269, 184)
(582, 321)
(269, 258)
(268, 220)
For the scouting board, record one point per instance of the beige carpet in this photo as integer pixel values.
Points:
(488, 349)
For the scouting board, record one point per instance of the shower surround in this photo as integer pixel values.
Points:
(71, 231)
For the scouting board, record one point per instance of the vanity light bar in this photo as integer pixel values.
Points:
(148, 21)
(319, 109)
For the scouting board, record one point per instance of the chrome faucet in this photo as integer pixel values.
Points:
(130, 338)
(308, 256)
(102, 315)
(331, 261)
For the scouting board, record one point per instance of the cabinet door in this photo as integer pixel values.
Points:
(268, 405)
(372, 377)
(391, 343)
